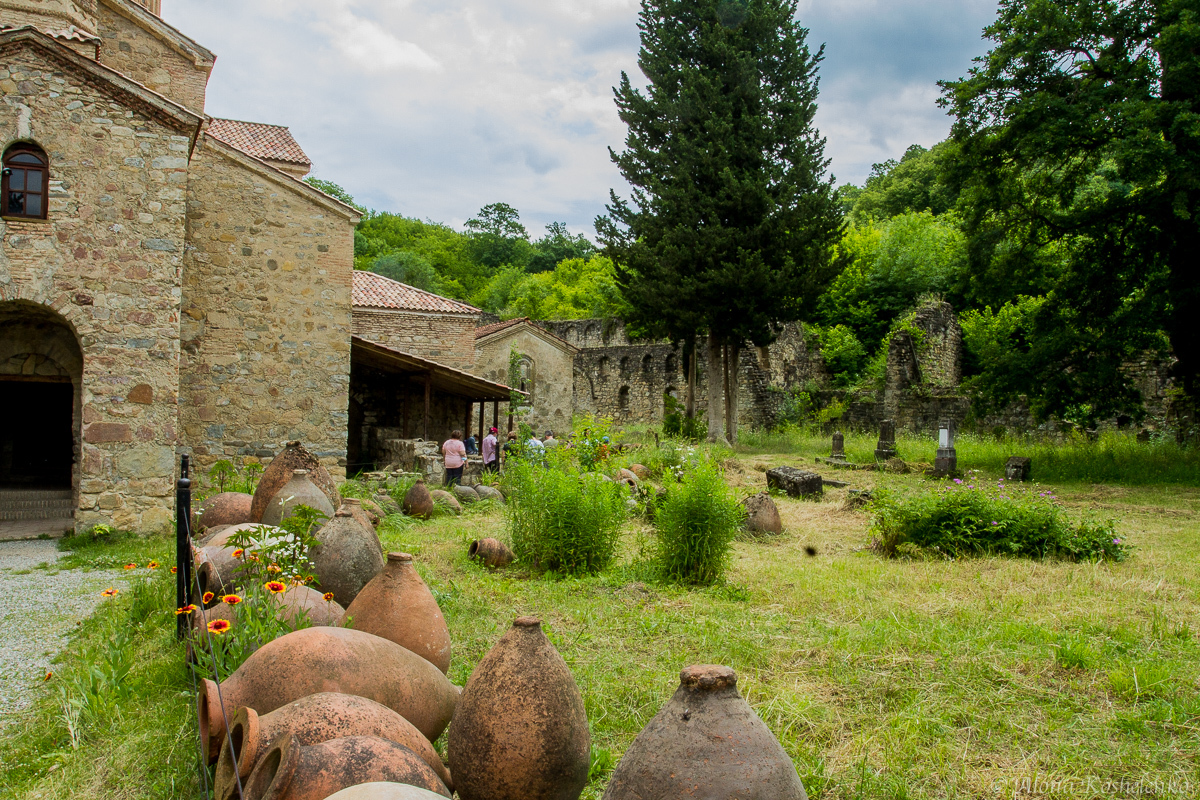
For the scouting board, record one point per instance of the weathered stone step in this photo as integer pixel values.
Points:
(36, 504)
(34, 494)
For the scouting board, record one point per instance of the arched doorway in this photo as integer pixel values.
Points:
(41, 373)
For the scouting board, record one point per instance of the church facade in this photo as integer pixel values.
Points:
(168, 284)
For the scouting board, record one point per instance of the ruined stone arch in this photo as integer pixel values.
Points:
(602, 368)
(647, 363)
(624, 365)
(623, 398)
(672, 365)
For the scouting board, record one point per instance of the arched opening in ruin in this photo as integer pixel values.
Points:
(624, 365)
(623, 398)
(647, 363)
(672, 365)
(41, 375)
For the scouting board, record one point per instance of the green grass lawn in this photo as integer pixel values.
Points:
(882, 679)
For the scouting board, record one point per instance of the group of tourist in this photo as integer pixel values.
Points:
(455, 450)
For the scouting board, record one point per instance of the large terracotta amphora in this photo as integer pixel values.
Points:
(311, 720)
(418, 502)
(295, 456)
(706, 743)
(226, 508)
(299, 491)
(291, 771)
(520, 731)
(382, 790)
(315, 660)
(397, 605)
(348, 555)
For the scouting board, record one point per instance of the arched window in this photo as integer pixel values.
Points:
(623, 398)
(647, 362)
(602, 367)
(527, 378)
(672, 365)
(25, 182)
(625, 365)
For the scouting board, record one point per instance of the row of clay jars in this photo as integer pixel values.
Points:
(705, 743)
(291, 771)
(297, 602)
(348, 554)
(329, 659)
(311, 720)
(397, 605)
(281, 470)
(226, 508)
(520, 731)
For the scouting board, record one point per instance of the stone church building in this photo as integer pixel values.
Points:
(168, 283)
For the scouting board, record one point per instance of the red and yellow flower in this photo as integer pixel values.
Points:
(152, 565)
(328, 597)
(174, 570)
(131, 566)
(239, 552)
(274, 568)
(188, 609)
(110, 592)
(207, 598)
(275, 587)
(219, 626)
(231, 599)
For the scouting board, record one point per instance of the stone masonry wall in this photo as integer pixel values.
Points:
(49, 14)
(448, 339)
(266, 304)
(107, 262)
(548, 371)
(146, 58)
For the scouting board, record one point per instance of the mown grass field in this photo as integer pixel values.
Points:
(988, 677)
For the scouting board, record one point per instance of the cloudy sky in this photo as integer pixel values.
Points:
(434, 108)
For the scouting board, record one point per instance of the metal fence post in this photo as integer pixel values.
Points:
(183, 547)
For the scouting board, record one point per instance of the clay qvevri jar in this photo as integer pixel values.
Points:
(492, 552)
(489, 493)
(629, 475)
(291, 771)
(216, 570)
(446, 500)
(387, 503)
(465, 494)
(383, 791)
(311, 720)
(417, 501)
(641, 471)
(397, 605)
(347, 557)
(706, 742)
(762, 515)
(520, 731)
(295, 456)
(299, 491)
(329, 660)
(374, 511)
(358, 511)
(226, 508)
(305, 601)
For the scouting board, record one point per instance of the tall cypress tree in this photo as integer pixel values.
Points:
(732, 218)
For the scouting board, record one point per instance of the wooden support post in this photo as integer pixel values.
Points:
(428, 397)
(482, 414)
(496, 415)
(467, 420)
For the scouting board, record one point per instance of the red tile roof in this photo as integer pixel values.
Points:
(376, 291)
(496, 327)
(266, 142)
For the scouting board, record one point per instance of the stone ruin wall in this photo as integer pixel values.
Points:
(266, 315)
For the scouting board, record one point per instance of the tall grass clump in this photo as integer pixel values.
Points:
(977, 517)
(561, 519)
(696, 524)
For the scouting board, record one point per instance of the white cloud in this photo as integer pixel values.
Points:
(433, 109)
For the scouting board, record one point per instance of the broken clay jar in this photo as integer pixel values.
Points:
(762, 515)
(295, 456)
(382, 790)
(329, 660)
(520, 731)
(705, 742)
(492, 552)
(417, 501)
(292, 771)
(348, 555)
(311, 720)
(226, 508)
(299, 491)
(397, 605)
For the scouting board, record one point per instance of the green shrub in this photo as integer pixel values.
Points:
(677, 423)
(563, 520)
(696, 524)
(973, 517)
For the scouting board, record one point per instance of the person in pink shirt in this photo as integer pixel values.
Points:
(491, 452)
(456, 456)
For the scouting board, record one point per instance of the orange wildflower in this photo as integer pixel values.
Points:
(274, 568)
(188, 609)
(231, 599)
(152, 565)
(131, 566)
(219, 626)
(109, 592)
(49, 675)
(208, 598)
(329, 597)
(275, 587)
(239, 553)
(174, 570)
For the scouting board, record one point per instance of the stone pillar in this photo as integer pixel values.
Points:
(839, 447)
(886, 447)
(945, 464)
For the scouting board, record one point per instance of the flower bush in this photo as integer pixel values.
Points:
(974, 516)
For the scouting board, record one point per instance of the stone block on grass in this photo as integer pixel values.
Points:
(796, 482)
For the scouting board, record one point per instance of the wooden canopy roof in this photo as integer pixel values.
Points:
(443, 378)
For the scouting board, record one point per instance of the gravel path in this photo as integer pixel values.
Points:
(37, 611)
